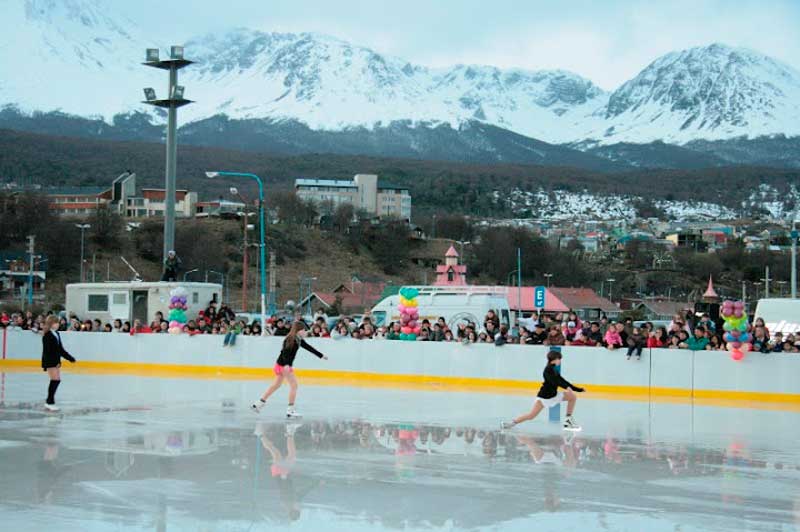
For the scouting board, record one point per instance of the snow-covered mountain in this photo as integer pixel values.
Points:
(80, 59)
(712, 92)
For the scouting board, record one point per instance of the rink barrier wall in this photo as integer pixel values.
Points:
(662, 373)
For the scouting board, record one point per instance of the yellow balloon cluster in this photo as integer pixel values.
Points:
(408, 302)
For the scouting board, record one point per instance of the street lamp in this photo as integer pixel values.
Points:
(174, 100)
(186, 274)
(82, 227)
(548, 276)
(610, 286)
(262, 246)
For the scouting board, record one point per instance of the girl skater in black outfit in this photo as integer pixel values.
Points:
(550, 396)
(52, 353)
(283, 369)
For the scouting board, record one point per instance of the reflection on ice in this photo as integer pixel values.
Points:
(201, 467)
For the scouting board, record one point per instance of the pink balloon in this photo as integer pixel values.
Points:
(174, 323)
(406, 330)
(404, 319)
(413, 324)
(414, 314)
(402, 308)
(737, 355)
(735, 345)
(417, 329)
(738, 313)
(738, 305)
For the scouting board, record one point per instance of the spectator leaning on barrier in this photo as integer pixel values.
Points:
(698, 342)
(555, 336)
(636, 342)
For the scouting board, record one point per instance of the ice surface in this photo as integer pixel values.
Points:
(134, 453)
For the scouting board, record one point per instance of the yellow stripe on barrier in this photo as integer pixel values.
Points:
(730, 398)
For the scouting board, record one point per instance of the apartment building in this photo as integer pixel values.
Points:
(363, 192)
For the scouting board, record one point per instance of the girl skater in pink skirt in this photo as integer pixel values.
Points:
(550, 396)
(283, 369)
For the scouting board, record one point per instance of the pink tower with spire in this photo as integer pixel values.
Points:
(451, 273)
(710, 293)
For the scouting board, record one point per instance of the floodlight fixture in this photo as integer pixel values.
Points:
(152, 55)
(176, 52)
(149, 94)
(177, 92)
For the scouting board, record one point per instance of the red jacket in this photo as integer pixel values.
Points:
(655, 342)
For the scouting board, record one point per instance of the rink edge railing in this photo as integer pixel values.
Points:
(662, 373)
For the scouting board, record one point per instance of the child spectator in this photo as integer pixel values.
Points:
(539, 335)
(674, 342)
(635, 343)
(612, 339)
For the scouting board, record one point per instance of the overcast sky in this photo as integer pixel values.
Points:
(607, 41)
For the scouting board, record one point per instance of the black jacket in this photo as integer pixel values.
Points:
(288, 352)
(53, 351)
(552, 381)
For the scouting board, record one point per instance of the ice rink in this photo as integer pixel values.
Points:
(141, 453)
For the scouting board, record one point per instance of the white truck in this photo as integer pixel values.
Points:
(780, 315)
(455, 304)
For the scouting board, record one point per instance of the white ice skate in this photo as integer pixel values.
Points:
(291, 413)
(570, 424)
(51, 408)
(257, 406)
(505, 425)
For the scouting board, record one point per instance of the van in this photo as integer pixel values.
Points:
(456, 304)
(780, 315)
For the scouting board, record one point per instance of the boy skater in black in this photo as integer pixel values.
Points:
(550, 396)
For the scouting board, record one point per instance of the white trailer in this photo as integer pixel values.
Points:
(454, 303)
(780, 315)
(129, 301)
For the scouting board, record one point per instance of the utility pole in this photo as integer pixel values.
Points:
(31, 252)
(794, 234)
(273, 283)
(245, 255)
(519, 284)
(766, 280)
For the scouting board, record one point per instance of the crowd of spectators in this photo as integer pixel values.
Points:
(559, 329)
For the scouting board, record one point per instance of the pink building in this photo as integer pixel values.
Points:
(451, 273)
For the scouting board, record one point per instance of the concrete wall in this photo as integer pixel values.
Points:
(660, 372)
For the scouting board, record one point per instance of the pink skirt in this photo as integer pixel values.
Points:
(278, 369)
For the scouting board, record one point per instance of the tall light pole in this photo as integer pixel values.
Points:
(309, 283)
(174, 100)
(82, 227)
(262, 244)
(548, 276)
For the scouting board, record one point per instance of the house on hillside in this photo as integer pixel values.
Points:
(354, 297)
(451, 273)
(15, 274)
(660, 309)
(121, 196)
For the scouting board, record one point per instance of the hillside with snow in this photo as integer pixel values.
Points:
(561, 205)
(312, 92)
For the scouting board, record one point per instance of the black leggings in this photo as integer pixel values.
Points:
(636, 348)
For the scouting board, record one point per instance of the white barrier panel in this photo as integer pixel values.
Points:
(670, 368)
(659, 370)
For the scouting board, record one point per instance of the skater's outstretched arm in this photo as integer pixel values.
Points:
(310, 348)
